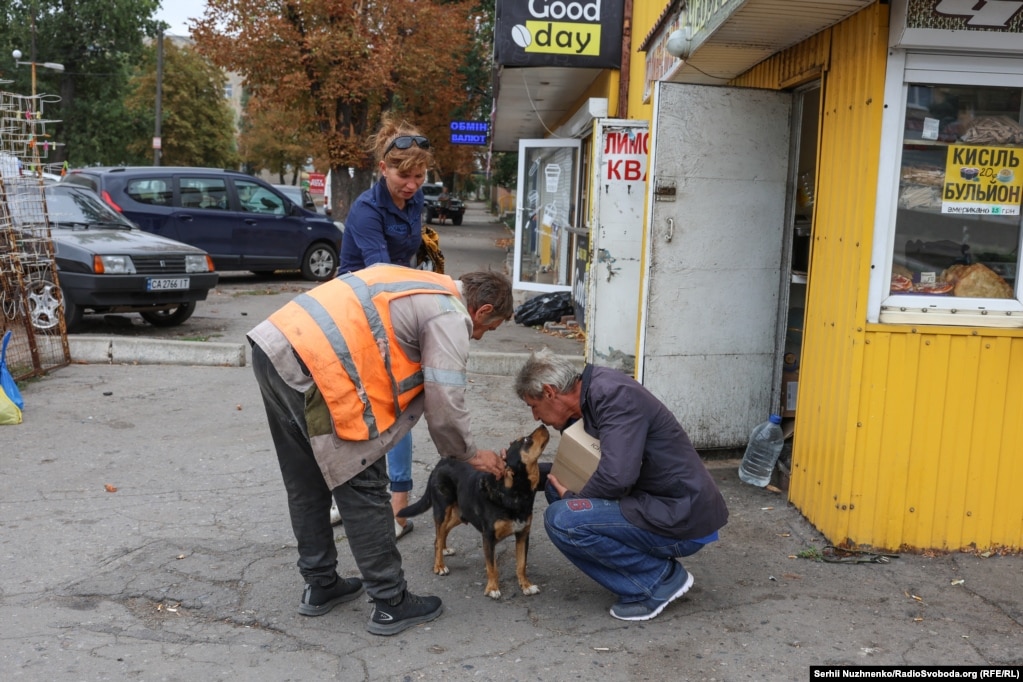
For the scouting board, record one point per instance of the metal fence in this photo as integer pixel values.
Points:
(31, 305)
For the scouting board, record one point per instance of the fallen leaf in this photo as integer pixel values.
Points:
(110, 488)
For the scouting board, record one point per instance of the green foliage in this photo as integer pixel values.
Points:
(504, 169)
(198, 123)
(97, 41)
(812, 553)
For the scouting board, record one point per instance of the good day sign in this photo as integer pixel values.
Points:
(568, 33)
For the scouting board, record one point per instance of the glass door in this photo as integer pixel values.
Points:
(546, 204)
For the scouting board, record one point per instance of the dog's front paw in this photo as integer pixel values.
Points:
(493, 594)
(447, 551)
(441, 570)
(530, 589)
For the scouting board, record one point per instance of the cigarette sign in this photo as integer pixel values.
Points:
(566, 33)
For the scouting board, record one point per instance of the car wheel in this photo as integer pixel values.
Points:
(44, 302)
(456, 220)
(171, 317)
(319, 263)
(73, 314)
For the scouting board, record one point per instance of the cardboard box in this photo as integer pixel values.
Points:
(789, 393)
(577, 457)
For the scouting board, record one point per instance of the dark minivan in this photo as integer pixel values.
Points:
(241, 221)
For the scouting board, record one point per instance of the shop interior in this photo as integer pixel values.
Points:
(805, 122)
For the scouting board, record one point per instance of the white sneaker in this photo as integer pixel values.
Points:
(335, 514)
(401, 531)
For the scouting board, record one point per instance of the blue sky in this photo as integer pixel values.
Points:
(178, 12)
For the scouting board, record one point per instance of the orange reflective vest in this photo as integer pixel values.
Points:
(342, 332)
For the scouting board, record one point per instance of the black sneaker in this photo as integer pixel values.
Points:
(674, 587)
(317, 600)
(391, 618)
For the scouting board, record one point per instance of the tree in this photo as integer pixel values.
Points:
(341, 65)
(505, 169)
(271, 138)
(98, 42)
(198, 124)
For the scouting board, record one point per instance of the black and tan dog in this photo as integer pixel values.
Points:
(496, 507)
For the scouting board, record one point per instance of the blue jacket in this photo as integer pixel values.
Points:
(377, 231)
(647, 462)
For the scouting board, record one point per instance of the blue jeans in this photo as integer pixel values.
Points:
(627, 560)
(399, 465)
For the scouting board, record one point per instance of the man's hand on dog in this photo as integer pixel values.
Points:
(488, 461)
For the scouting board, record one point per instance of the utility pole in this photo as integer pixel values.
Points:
(157, 142)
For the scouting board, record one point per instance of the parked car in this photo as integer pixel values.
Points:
(431, 207)
(105, 264)
(243, 222)
(298, 195)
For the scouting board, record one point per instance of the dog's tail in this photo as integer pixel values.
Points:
(417, 508)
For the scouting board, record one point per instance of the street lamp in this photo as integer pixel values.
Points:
(53, 66)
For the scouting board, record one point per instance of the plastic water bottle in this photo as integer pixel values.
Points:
(765, 445)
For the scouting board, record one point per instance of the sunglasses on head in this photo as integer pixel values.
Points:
(406, 141)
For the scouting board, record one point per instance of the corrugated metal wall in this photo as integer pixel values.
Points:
(906, 437)
(939, 445)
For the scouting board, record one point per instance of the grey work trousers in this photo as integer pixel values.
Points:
(363, 501)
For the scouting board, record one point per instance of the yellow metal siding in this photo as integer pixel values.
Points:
(906, 438)
(943, 428)
(850, 60)
(790, 68)
(824, 468)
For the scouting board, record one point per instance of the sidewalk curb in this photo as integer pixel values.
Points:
(503, 364)
(131, 351)
(125, 351)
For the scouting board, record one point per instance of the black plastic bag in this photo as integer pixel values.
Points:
(544, 308)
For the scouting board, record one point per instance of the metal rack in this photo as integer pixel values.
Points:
(31, 304)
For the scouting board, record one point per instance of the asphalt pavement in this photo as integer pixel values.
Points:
(144, 536)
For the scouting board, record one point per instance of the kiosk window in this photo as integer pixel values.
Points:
(950, 218)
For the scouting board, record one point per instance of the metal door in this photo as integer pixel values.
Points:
(710, 306)
(616, 242)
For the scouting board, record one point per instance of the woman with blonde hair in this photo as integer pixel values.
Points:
(385, 225)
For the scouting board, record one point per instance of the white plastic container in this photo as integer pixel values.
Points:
(765, 445)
